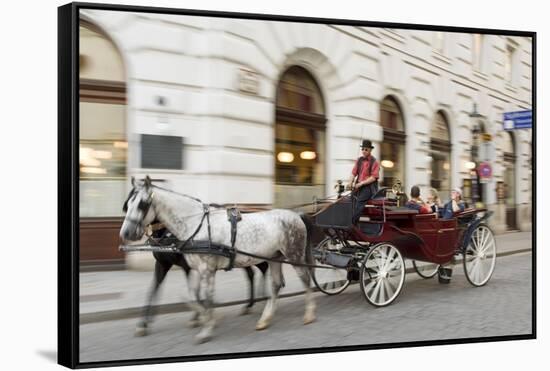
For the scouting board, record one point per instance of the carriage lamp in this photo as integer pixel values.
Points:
(340, 187)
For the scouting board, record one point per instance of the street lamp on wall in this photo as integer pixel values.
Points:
(475, 118)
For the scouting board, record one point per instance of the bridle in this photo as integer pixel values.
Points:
(145, 205)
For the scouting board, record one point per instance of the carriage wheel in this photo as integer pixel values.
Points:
(426, 270)
(330, 280)
(480, 256)
(382, 274)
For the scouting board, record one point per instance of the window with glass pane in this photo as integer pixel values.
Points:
(299, 140)
(392, 163)
(103, 145)
(440, 153)
(440, 171)
(298, 91)
(393, 145)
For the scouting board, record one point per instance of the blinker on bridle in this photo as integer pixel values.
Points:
(143, 206)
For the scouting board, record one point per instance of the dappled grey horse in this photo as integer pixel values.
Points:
(270, 235)
(164, 261)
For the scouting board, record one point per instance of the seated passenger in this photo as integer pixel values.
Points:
(416, 203)
(454, 205)
(433, 201)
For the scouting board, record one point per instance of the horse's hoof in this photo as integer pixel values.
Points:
(140, 331)
(202, 338)
(262, 325)
(309, 319)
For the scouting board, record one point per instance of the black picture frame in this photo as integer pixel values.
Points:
(68, 188)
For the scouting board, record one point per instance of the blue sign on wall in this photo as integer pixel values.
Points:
(518, 120)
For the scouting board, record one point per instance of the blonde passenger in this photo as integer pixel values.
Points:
(433, 200)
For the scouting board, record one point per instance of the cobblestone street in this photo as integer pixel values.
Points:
(425, 310)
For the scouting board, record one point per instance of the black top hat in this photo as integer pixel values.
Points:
(366, 144)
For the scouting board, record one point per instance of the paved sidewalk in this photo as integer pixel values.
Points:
(121, 294)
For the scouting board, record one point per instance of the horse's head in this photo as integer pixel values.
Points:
(139, 212)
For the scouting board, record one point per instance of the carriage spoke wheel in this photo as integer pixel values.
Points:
(330, 280)
(382, 274)
(426, 270)
(480, 256)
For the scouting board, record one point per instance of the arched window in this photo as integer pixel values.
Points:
(299, 139)
(440, 148)
(392, 158)
(103, 145)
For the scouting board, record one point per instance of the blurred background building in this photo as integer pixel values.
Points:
(271, 114)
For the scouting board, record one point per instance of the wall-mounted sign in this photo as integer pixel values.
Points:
(249, 81)
(518, 120)
(484, 170)
(162, 152)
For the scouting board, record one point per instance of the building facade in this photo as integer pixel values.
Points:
(272, 113)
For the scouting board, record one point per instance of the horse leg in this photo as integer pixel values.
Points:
(250, 275)
(194, 321)
(195, 304)
(205, 334)
(276, 284)
(263, 266)
(160, 274)
(305, 277)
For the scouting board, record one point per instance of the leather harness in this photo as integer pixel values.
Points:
(192, 246)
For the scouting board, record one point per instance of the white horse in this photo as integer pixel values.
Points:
(270, 234)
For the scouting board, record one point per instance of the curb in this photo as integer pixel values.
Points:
(136, 312)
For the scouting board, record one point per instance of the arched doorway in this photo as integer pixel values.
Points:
(103, 145)
(509, 176)
(392, 153)
(300, 125)
(440, 150)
